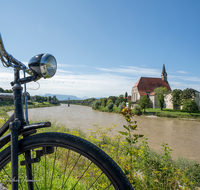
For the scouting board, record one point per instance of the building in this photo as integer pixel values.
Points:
(145, 87)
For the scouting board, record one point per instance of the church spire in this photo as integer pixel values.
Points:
(164, 74)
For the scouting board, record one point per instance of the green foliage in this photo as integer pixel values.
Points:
(110, 106)
(190, 105)
(109, 101)
(144, 102)
(121, 106)
(129, 103)
(104, 101)
(137, 110)
(188, 93)
(161, 92)
(113, 98)
(116, 110)
(120, 99)
(96, 104)
(176, 98)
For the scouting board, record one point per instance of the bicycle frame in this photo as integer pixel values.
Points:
(17, 124)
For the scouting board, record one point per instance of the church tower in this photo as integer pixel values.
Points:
(164, 74)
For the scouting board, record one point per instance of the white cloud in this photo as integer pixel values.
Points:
(63, 71)
(133, 70)
(182, 72)
(89, 85)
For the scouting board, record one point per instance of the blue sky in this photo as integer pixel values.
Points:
(104, 46)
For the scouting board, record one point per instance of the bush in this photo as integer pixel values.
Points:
(137, 110)
(110, 106)
(109, 101)
(116, 110)
(190, 105)
(96, 104)
(121, 106)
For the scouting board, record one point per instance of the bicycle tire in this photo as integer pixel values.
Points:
(88, 158)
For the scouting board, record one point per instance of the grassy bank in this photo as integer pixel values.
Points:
(5, 109)
(171, 113)
(145, 168)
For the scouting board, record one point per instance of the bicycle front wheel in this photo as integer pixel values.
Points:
(62, 161)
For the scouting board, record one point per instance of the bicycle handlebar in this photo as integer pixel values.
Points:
(9, 57)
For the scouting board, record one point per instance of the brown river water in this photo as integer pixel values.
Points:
(181, 135)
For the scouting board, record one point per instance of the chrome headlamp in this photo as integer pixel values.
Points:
(43, 65)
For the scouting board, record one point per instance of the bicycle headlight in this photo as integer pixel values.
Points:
(43, 65)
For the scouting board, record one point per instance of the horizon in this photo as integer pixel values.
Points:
(103, 48)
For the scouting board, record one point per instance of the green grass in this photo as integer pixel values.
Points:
(173, 113)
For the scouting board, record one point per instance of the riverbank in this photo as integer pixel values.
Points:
(168, 113)
(5, 109)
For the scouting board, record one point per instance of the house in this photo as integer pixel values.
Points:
(145, 87)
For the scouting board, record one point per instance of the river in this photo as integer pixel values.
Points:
(181, 135)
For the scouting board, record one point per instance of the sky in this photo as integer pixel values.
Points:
(103, 47)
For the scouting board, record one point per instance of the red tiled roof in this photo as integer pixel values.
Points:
(146, 84)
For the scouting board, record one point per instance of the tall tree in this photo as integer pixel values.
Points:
(176, 98)
(144, 102)
(188, 93)
(126, 95)
(161, 93)
(104, 101)
(120, 99)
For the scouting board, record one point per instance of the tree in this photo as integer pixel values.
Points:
(126, 95)
(161, 93)
(188, 93)
(109, 101)
(113, 98)
(190, 105)
(129, 103)
(104, 101)
(176, 98)
(55, 99)
(110, 106)
(144, 102)
(96, 104)
(120, 99)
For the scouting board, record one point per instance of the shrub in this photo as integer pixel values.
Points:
(137, 110)
(110, 106)
(190, 105)
(121, 106)
(109, 101)
(96, 104)
(116, 110)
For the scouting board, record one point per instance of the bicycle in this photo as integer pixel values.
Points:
(49, 160)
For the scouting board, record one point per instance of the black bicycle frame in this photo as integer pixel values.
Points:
(15, 126)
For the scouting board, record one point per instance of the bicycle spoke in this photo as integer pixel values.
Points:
(72, 170)
(82, 174)
(66, 164)
(96, 180)
(53, 168)
(108, 186)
